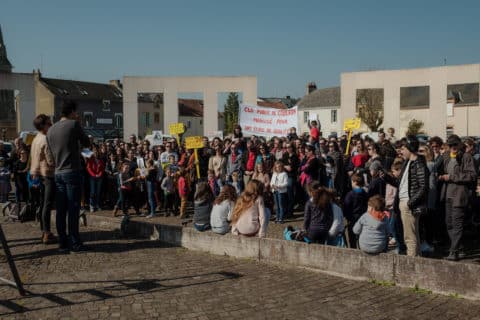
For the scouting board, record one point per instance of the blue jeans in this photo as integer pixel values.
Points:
(151, 196)
(68, 193)
(391, 224)
(281, 204)
(95, 191)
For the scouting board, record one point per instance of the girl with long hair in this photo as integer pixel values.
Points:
(202, 206)
(223, 209)
(318, 218)
(249, 215)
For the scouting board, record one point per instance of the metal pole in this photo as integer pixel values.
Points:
(18, 283)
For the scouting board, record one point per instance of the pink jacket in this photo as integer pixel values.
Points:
(253, 221)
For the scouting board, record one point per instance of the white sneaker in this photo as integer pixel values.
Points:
(425, 247)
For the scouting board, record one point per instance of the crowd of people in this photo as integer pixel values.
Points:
(391, 193)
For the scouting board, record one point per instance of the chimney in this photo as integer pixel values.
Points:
(311, 86)
(116, 83)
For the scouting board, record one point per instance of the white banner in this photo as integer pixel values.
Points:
(269, 122)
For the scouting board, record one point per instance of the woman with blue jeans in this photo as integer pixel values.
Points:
(279, 183)
(95, 169)
(151, 180)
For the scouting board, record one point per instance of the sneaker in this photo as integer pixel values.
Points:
(150, 216)
(453, 256)
(63, 250)
(425, 247)
(79, 248)
(92, 209)
(49, 238)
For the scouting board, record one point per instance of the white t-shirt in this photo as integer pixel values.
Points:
(403, 187)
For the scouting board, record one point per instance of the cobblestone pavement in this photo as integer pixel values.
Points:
(140, 279)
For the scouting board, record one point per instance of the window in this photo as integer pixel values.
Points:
(306, 114)
(370, 98)
(415, 97)
(106, 105)
(146, 121)
(158, 101)
(118, 121)
(156, 118)
(333, 116)
(88, 119)
(465, 94)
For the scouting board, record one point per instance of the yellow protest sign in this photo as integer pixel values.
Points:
(29, 139)
(176, 128)
(195, 142)
(352, 124)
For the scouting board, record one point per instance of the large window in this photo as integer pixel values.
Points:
(370, 98)
(306, 114)
(465, 94)
(415, 97)
(333, 116)
(118, 121)
(88, 119)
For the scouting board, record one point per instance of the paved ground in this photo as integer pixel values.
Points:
(139, 279)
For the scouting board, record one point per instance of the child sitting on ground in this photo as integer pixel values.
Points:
(372, 227)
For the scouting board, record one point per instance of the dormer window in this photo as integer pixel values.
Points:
(106, 105)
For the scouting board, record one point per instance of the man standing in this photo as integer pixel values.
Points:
(459, 175)
(42, 165)
(64, 139)
(412, 192)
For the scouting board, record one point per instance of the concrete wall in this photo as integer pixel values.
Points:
(437, 275)
(436, 116)
(171, 86)
(25, 84)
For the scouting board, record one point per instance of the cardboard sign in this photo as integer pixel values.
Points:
(195, 142)
(176, 128)
(312, 117)
(352, 124)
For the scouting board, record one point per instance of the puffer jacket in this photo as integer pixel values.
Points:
(418, 175)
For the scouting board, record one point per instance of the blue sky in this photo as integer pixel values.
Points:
(284, 43)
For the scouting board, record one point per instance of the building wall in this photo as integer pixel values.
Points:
(25, 84)
(171, 86)
(44, 99)
(325, 116)
(435, 117)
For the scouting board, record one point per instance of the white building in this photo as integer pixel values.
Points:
(421, 94)
(323, 104)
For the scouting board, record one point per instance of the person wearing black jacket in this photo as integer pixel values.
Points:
(459, 175)
(412, 192)
(291, 162)
(354, 205)
(318, 213)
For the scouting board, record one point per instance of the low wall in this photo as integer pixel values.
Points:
(437, 275)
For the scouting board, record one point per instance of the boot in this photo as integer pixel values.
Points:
(453, 256)
(48, 238)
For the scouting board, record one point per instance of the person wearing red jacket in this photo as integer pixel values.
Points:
(95, 169)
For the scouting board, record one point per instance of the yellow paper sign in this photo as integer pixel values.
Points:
(29, 139)
(195, 142)
(352, 124)
(176, 128)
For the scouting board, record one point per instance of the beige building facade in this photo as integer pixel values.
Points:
(420, 94)
(172, 86)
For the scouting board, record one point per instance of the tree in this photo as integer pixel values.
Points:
(415, 127)
(231, 112)
(370, 107)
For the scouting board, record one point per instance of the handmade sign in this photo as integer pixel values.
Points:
(268, 122)
(195, 143)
